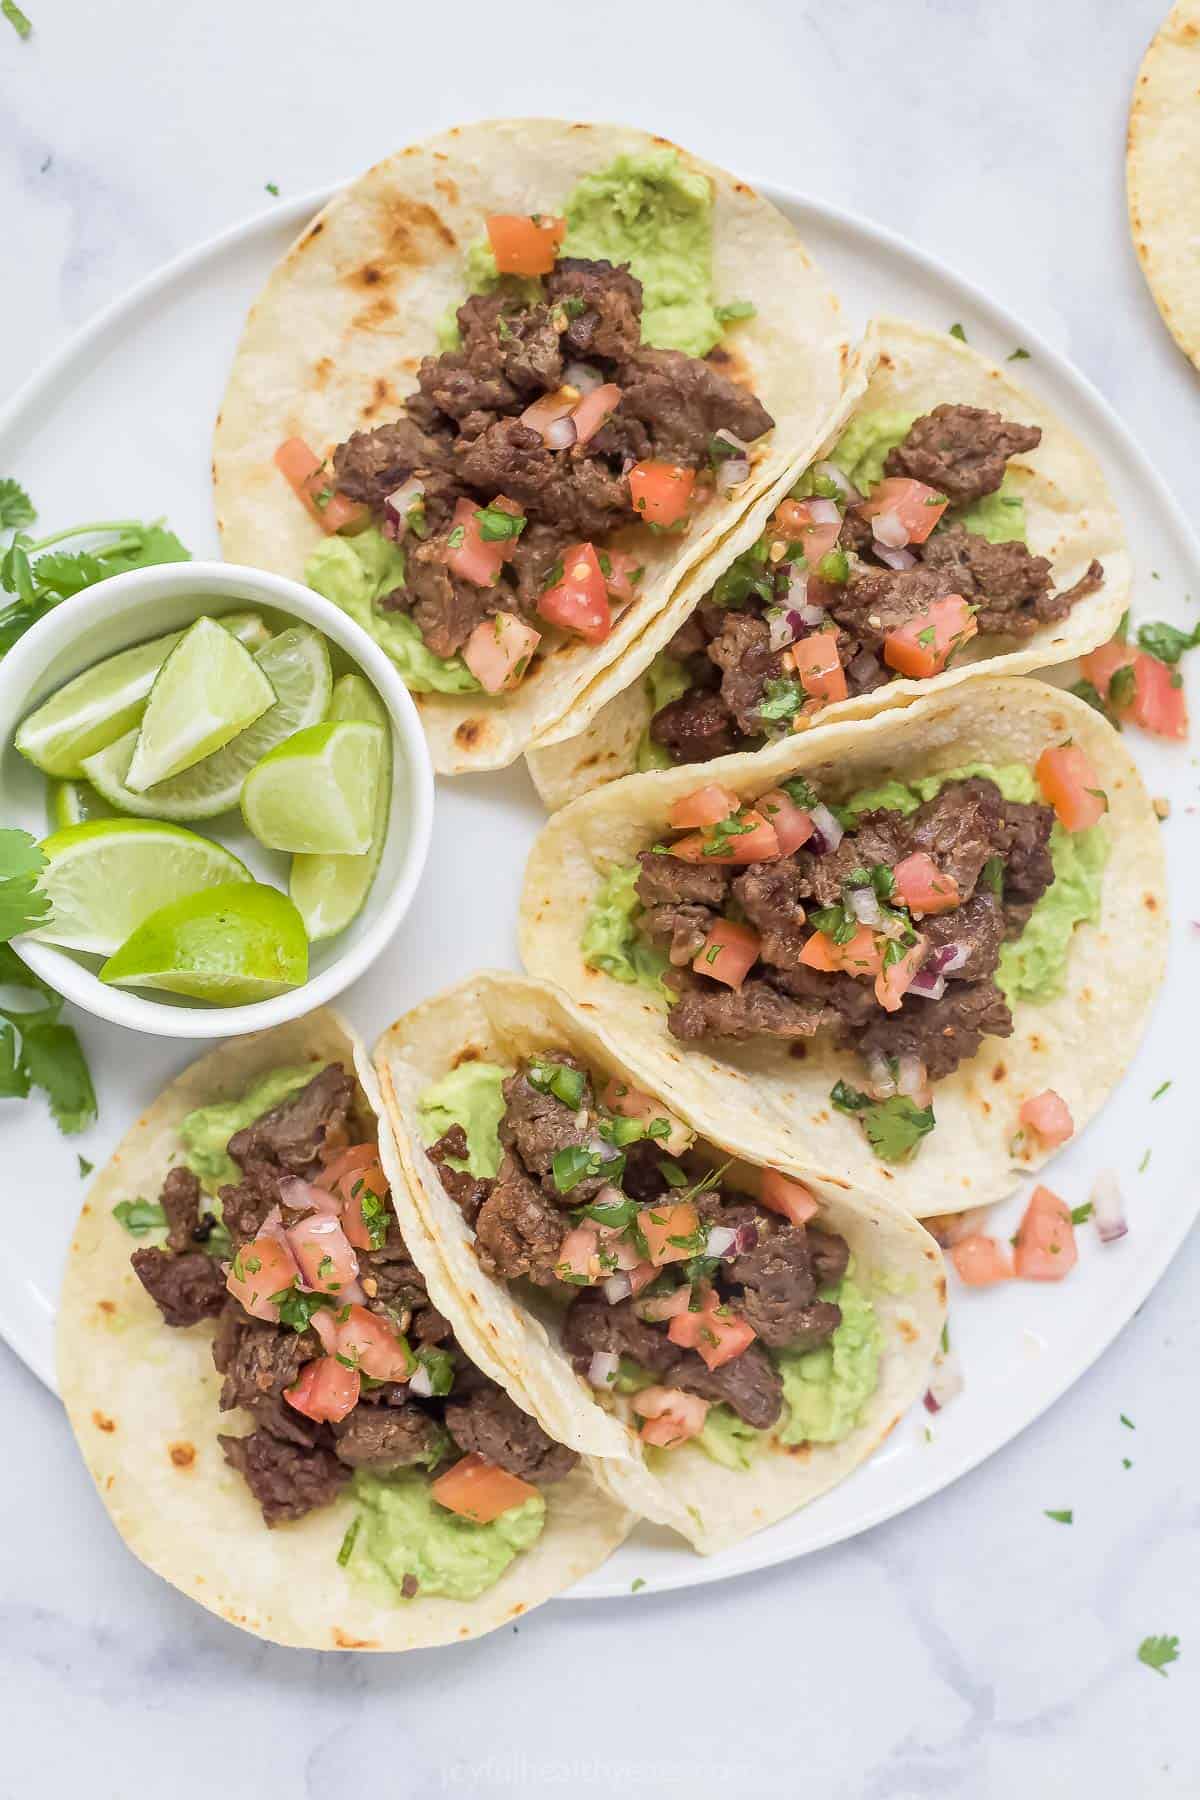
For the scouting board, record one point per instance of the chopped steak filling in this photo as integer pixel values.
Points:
(760, 1277)
(295, 1460)
(737, 648)
(463, 437)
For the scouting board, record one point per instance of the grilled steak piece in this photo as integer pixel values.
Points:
(518, 1230)
(287, 1480)
(185, 1289)
(960, 450)
(291, 1135)
(491, 1425)
(180, 1201)
(945, 1032)
(610, 323)
(387, 1437)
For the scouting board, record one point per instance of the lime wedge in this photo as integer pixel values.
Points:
(317, 792)
(107, 700)
(230, 945)
(74, 803)
(104, 878)
(208, 689)
(296, 663)
(330, 890)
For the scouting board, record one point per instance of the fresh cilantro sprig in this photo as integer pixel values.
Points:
(38, 1050)
(1157, 1652)
(39, 576)
(22, 905)
(894, 1127)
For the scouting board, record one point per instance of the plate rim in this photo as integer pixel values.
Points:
(754, 1553)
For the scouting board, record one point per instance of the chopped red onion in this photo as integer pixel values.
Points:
(895, 559)
(617, 1287)
(421, 1382)
(864, 904)
(720, 1240)
(824, 512)
(397, 506)
(911, 1073)
(881, 1081)
(827, 833)
(831, 472)
(941, 961)
(302, 1197)
(747, 1238)
(1108, 1208)
(927, 985)
(889, 529)
(559, 434)
(731, 473)
(584, 376)
(781, 628)
(945, 1381)
(602, 1370)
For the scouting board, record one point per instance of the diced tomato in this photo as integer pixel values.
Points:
(623, 576)
(640, 1276)
(861, 955)
(631, 1103)
(1046, 1239)
(728, 953)
(894, 979)
(758, 843)
(1072, 786)
(594, 409)
(716, 1333)
(260, 1269)
(791, 824)
(1159, 701)
(671, 1415)
(498, 651)
(660, 491)
(472, 556)
(578, 1258)
(312, 483)
(980, 1260)
(326, 1390)
(665, 1306)
(344, 1160)
(912, 650)
(1099, 666)
(706, 806)
(819, 666)
(780, 1194)
(579, 602)
(353, 1189)
(323, 1251)
(480, 1490)
(662, 1222)
(1049, 1116)
(922, 887)
(371, 1345)
(917, 507)
(794, 521)
(525, 244)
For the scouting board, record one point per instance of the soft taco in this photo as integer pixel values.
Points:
(276, 1393)
(914, 953)
(504, 391)
(751, 1335)
(1164, 202)
(947, 527)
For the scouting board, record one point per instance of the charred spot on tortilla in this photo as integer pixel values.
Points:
(469, 733)
(183, 1455)
(103, 1423)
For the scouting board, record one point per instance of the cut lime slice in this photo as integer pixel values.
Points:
(74, 803)
(231, 945)
(296, 663)
(316, 793)
(107, 700)
(208, 689)
(330, 890)
(103, 879)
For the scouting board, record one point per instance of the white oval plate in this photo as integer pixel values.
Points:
(119, 424)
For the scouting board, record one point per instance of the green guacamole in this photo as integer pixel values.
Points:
(355, 573)
(666, 680)
(405, 1532)
(825, 1390)
(207, 1131)
(611, 940)
(469, 1096)
(1034, 966)
(999, 517)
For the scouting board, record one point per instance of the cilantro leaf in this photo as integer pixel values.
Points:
(16, 18)
(16, 508)
(1065, 1517)
(894, 1127)
(85, 1167)
(1157, 1652)
(14, 1078)
(782, 699)
(1166, 642)
(21, 905)
(496, 525)
(140, 1216)
(956, 331)
(55, 1062)
(1019, 355)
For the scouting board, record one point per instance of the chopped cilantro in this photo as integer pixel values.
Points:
(672, 1174)
(836, 922)
(1125, 1463)
(1127, 1422)
(16, 508)
(439, 1366)
(894, 1127)
(746, 576)
(636, 1584)
(577, 1163)
(618, 1213)
(992, 874)
(1065, 1517)
(85, 1167)
(455, 540)
(783, 699)
(139, 1216)
(1144, 1164)
(800, 791)
(272, 187)
(1157, 1652)
(296, 1309)
(496, 525)
(1081, 1214)
(16, 18)
(1019, 355)
(1160, 1090)
(956, 331)
(349, 1541)
(21, 903)
(717, 842)
(1166, 642)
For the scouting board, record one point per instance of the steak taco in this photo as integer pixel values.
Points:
(948, 527)
(870, 950)
(276, 1393)
(753, 1336)
(504, 391)
(1164, 127)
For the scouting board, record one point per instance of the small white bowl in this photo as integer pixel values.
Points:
(128, 609)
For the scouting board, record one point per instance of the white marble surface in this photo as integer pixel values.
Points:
(973, 1648)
